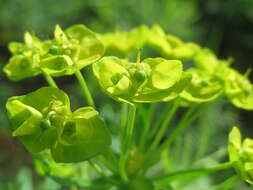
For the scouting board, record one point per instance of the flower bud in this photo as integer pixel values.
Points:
(54, 50)
(140, 76)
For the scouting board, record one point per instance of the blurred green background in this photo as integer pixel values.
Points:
(224, 26)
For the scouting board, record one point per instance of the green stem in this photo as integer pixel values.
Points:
(85, 89)
(130, 128)
(161, 118)
(178, 175)
(183, 124)
(100, 172)
(164, 126)
(127, 143)
(123, 119)
(148, 121)
(50, 80)
(187, 119)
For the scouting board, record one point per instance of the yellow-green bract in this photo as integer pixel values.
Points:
(241, 153)
(221, 77)
(71, 49)
(43, 120)
(152, 80)
(203, 87)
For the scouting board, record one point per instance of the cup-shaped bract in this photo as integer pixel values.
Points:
(72, 49)
(36, 117)
(158, 40)
(238, 89)
(185, 51)
(206, 60)
(26, 57)
(124, 42)
(84, 135)
(241, 154)
(203, 87)
(152, 80)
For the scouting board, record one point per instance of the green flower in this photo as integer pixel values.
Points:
(152, 80)
(206, 60)
(158, 40)
(241, 153)
(185, 51)
(71, 49)
(37, 116)
(26, 57)
(43, 120)
(84, 136)
(203, 87)
(124, 42)
(238, 89)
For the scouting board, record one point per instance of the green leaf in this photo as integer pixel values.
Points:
(234, 144)
(84, 136)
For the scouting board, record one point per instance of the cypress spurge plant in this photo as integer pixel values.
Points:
(66, 144)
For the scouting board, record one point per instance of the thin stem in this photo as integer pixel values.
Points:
(193, 172)
(187, 119)
(123, 119)
(85, 89)
(159, 121)
(164, 126)
(130, 127)
(127, 143)
(50, 80)
(183, 124)
(148, 121)
(100, 172)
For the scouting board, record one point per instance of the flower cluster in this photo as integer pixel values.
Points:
(241, 153)
(70, 50)
(43, 120)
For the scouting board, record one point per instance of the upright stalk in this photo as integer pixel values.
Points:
(130, 127)
(159, 121)
(127, 142)
(187, 119)
(50, 80)
(146, 127)
(86, 92)
(164, 126)
(123, 119)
